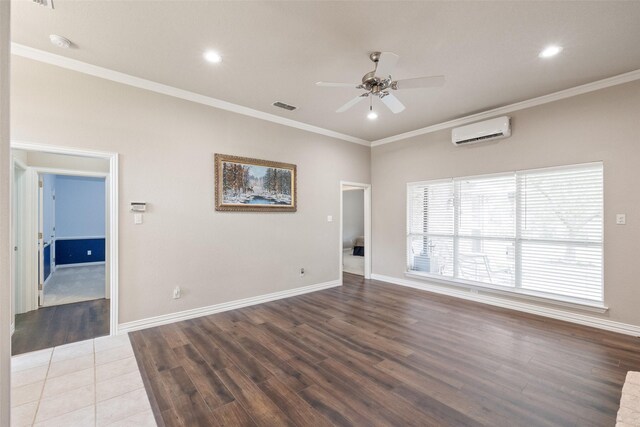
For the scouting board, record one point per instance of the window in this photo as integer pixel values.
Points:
(536, 232)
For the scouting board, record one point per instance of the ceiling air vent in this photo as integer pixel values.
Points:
(46, 3)
(285, 106)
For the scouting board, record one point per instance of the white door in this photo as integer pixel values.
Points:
(18, 295)
(24, 239)
(40, 241)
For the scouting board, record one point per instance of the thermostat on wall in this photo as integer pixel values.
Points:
(138, 206)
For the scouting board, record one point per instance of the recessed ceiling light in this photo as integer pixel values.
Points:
(213, 57)
(550, 51)
(60, 41)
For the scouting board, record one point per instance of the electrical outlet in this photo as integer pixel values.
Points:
(302, 272)
(88, 252)
(621, 219)
(176, 292)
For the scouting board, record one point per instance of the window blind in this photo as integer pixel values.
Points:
(535, 231)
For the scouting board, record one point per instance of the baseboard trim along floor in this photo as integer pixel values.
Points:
(218, 308)
(580, 319)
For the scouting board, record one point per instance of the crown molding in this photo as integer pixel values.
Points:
(127, 79)
(545, 99)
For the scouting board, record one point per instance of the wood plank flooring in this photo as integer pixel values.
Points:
(374, 354)
(61, 324)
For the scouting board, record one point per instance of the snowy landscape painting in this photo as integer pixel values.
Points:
(244, 184)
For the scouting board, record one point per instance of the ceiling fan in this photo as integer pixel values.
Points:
(380, 83)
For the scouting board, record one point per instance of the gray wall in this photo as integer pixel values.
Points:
(353, 216)
(599, 126)
(166, 148)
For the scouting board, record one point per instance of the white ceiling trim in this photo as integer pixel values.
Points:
(127, 79)
(545, 99)
(116, 76)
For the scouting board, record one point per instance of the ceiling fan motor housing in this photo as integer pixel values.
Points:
(380, 84)
(374, 84)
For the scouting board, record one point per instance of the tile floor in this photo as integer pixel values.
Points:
(88, 383)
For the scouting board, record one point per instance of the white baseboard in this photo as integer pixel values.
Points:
(567, 316)
(79, 264)
(218, 308)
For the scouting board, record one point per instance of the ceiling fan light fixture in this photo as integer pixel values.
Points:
(372, 114)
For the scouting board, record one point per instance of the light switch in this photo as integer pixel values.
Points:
(329, 218)
(137, 218)
(621, 219)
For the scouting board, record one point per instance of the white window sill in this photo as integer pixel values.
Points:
(594, 306)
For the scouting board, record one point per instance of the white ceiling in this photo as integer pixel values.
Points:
(276, 51)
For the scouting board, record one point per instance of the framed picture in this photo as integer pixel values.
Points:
(244, 184)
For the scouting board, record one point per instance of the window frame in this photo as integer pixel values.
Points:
(516, 290)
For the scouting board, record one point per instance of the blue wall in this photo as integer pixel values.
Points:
(74, 251)
(80, 206)
(47, 261)
(74, 221)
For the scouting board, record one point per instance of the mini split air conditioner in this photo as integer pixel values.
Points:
(482, 131)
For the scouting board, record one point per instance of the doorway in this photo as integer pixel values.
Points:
(18, 236)
(65, 251)
(355, 229)
(72, 212)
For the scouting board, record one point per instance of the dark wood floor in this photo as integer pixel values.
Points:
(60, 324)
(370, 353)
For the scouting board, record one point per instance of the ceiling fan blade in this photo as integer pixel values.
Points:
(331, 84)
(351, 103)
(419, 82)
(392, 103)
(386, 64)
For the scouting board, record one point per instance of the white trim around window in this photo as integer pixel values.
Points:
(534, 233)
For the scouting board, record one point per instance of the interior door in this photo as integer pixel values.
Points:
(21, 301)
(40, 241)
(16, 301)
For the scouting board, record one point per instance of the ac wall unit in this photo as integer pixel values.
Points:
(482, 131)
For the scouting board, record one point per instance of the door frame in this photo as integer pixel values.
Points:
(111, 234)
(367, 226)
(40, 171)
(40, 246)
(19, 236)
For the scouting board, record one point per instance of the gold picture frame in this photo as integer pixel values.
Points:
(253, 185)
